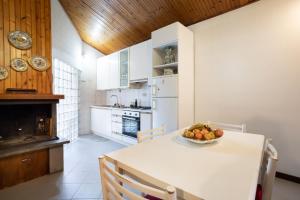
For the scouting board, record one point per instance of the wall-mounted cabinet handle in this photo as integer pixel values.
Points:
(116, 122)
(153, 104)
(154, 90)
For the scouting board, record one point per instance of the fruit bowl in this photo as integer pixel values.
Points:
(202, 133)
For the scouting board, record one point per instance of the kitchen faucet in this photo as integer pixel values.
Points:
(116, 104)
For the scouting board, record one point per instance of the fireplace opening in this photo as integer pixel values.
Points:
(25, 123)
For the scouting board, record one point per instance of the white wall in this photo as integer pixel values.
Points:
(88, 84)
(247, 67)
(66, 42)
(68, 47)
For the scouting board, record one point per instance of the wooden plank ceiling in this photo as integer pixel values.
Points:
(110, 25)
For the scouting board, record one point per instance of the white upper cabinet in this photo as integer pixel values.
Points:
(140, 61)
(165, 35)
(114, 73)
(133, 64)
(124, 68)
(108, 74)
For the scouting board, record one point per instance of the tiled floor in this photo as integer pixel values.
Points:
(80, 179)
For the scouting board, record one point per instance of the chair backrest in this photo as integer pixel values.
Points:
(150, 134)
(228, 127)
(118, 186)
(269, 166)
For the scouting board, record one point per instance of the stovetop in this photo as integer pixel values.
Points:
(140, 107)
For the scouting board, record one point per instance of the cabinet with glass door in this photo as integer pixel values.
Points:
(124, 68)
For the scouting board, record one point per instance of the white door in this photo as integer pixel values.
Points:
(165, 112)
(165, 86)
(165, 35)
(96, 127)
(124, 68)
(101, 121)
(113, 77)
(141, 61)
(107, 121)
(146, 121)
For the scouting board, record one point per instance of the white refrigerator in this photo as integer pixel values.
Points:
(165, 102)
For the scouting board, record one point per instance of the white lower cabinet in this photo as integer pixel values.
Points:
(107, 123)
(116, 124)
(146, 121)
(101, 121)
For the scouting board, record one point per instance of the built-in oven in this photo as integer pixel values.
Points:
(130, 123)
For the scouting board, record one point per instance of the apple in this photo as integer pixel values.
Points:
(219, 132)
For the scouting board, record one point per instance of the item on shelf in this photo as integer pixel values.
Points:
(20, 40)
(168, 71)
(136, 103)
(169, 55)
(19, 64)
(3, 73)
(39, 63)
(42, 125)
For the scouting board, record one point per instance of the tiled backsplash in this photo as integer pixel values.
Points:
(128, 96)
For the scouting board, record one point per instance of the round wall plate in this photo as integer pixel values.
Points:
(19, 64)
(39, 63)
(3, 73)
(20, 40)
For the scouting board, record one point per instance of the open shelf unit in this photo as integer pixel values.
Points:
(160, 63)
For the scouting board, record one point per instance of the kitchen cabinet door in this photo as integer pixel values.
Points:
(101, 121)
(146, 121)
(124, 68)
(23, 167)
(113, 77)
(108, 76)
(165, 35)
(141, 61)
(107, 121)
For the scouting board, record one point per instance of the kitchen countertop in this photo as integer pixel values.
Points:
(115, 108)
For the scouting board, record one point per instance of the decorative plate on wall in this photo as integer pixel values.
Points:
(20, 39)
(39, 63)
(19, 64)
(3, 73)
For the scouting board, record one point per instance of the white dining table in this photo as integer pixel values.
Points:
(224, 170)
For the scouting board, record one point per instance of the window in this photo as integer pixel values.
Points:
(66, 81)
